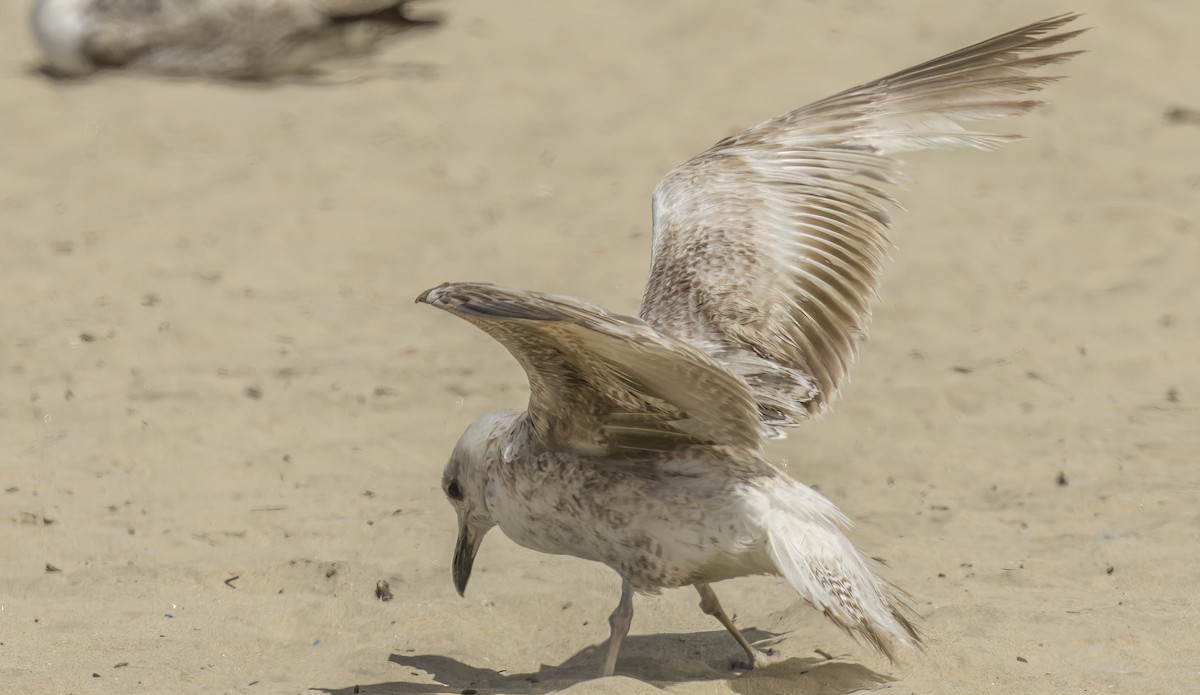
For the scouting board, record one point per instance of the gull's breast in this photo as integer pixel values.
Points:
(657, 531)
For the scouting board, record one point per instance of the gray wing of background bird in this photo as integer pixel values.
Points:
(768, 248)
(604, 383)
(197, 37)
(236, 38)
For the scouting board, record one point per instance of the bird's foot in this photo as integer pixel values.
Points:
(761, 658)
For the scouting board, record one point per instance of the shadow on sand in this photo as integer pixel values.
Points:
(660, 660)
(352, 74)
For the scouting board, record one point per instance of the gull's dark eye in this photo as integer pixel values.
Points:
(453, 491)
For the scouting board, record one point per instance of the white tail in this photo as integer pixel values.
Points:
(809, 549)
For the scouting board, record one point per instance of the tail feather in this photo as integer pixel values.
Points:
(830, 573)
(339, 36)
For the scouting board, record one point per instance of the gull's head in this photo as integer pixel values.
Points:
(60, 28)
(465, 482)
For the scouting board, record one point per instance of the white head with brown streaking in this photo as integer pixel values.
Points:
(642, 444)
(465, 483)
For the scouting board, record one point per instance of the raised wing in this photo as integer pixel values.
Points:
(768, 248)
(599, 382)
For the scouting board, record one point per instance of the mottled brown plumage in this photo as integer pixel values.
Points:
(642, 444)
(602, 382)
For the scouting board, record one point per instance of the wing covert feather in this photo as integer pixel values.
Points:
(600, 382)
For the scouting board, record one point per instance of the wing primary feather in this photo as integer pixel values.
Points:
(768, 247)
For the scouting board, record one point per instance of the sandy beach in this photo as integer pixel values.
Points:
(223, 420)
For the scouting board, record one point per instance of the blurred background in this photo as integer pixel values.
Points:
(223, 420)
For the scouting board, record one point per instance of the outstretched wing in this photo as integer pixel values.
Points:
(768, 248)
(600, 382)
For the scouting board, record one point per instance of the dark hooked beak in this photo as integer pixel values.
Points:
(464, 555)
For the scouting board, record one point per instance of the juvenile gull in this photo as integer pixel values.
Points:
(237, 39)
(642, 444)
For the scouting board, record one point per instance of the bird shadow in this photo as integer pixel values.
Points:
(348, 75)
(704, 656)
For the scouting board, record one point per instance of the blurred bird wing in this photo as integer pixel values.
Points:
(768, 248)
(603, 383)
(120, 31)
(355, 8)
(383, 10)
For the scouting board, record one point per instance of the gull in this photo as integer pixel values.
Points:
(235, 39)
(642, 444)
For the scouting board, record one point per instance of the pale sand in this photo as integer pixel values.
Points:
(1041, 316)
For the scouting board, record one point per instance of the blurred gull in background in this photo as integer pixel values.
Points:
(233, 39)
